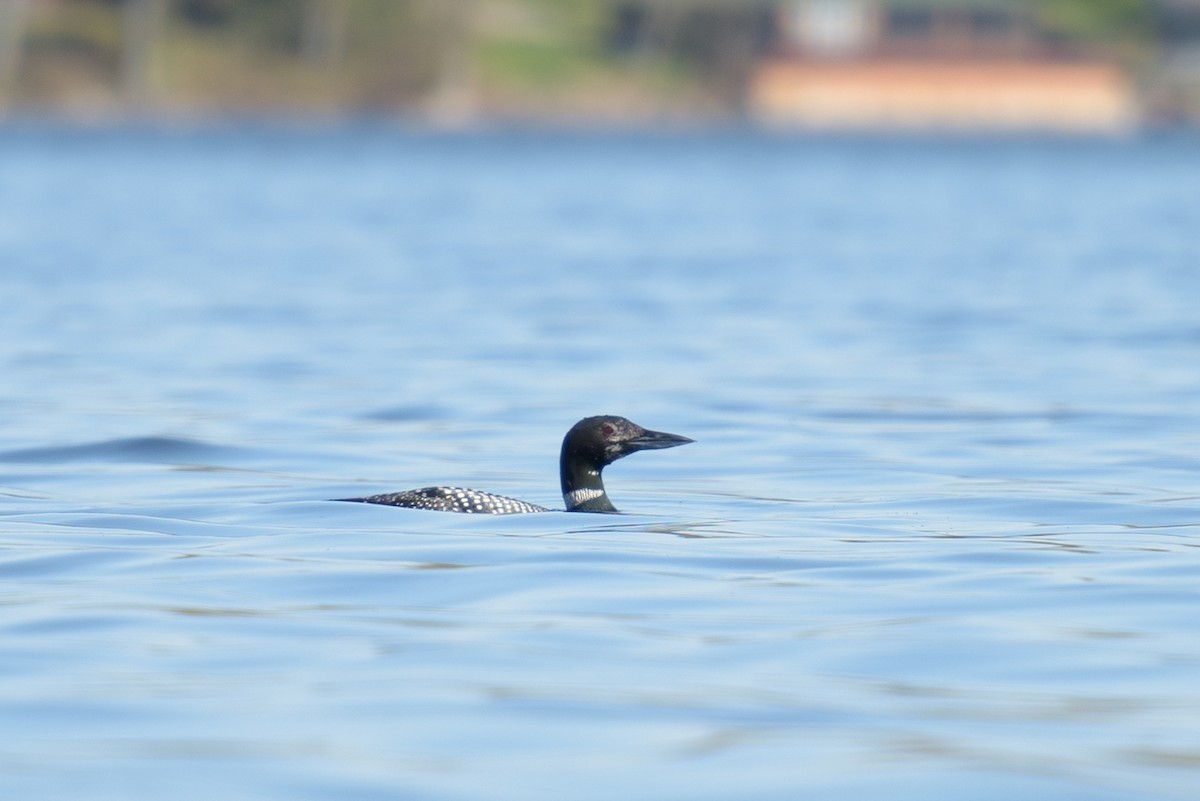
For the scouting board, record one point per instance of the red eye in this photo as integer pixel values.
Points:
(608, 430)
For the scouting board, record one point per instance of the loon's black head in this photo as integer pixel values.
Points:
(592, 444)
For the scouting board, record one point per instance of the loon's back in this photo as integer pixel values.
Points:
(454, 499)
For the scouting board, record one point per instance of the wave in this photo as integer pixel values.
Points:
(153, 450)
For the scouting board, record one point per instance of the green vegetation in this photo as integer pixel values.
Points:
(1097, 20)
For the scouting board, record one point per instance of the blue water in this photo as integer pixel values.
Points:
(939, 535)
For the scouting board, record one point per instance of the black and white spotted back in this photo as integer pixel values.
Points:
(454, 499)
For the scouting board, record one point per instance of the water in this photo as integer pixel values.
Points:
(937, 537)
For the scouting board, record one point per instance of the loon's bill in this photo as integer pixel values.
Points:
(591, 445)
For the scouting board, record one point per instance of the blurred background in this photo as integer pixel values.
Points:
(1094, 65)
(920, 278)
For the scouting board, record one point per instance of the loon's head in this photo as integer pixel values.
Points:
(600, 441)
(591, 445)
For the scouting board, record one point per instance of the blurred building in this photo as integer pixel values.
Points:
(924, 64)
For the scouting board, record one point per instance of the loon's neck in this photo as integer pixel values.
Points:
(583, 488)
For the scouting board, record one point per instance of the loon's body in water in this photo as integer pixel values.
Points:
(592, 444)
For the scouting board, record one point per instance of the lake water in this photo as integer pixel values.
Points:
(938, 536)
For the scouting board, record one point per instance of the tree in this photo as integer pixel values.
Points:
(142, 27)
(1096, 20)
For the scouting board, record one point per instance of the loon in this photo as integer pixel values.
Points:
(591, 445)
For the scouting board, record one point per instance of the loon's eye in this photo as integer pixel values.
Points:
(607, 429)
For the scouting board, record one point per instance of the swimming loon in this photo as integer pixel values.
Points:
(592, 444)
